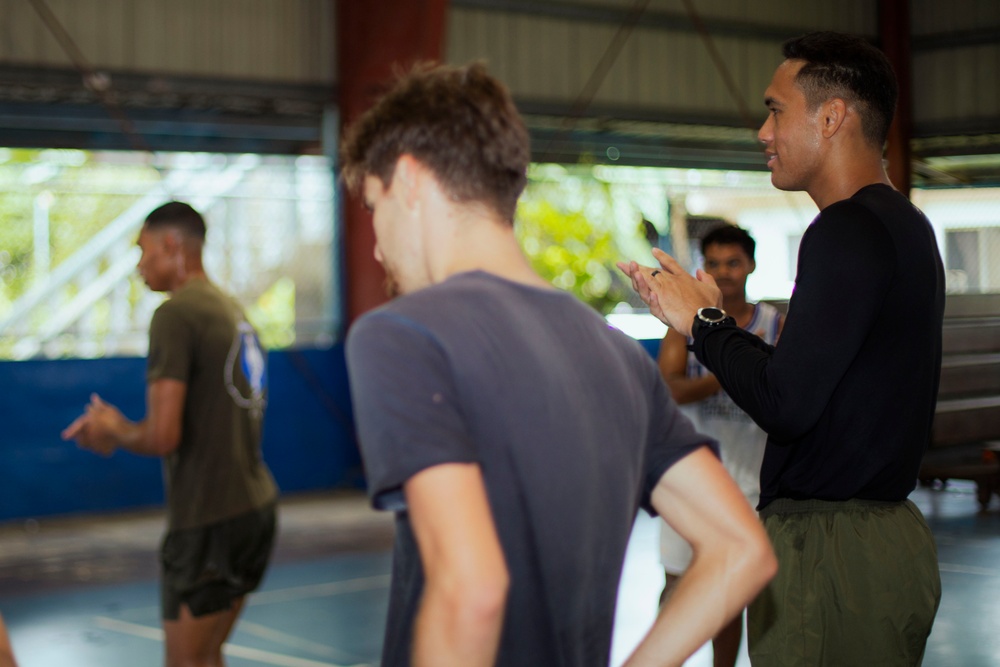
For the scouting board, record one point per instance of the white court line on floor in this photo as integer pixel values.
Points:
(320, 590)
(293, 641)
(969, 569)
(257, 655)
(292, 594)
(124, 627)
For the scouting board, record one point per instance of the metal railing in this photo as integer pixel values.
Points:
(104, 265)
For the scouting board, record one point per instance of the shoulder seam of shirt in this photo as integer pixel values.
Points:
(407, 322)
(174, 310)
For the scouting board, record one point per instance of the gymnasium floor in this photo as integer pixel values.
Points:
(82, 592)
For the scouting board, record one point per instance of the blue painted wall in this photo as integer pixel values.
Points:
(308, 433)
(652, 346)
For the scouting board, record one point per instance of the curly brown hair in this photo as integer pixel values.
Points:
(460, 122)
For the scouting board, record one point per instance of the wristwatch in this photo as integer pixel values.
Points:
(710, 318)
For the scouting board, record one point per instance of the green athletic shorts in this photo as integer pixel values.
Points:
(210, 567)
(857, 585)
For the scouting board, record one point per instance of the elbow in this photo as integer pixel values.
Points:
(746, 557)
(686, 389)
(765, 562)
(463, 613)
(789, 423)
(475, 602)
(485, 601)
(675, 385)
(680, 397)
(781, 433)
(460, 621)
(786, 414)
(759, 564)
(163, 444)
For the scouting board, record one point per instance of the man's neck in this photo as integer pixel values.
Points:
(189, 276)
(488, 245)
(843, 178)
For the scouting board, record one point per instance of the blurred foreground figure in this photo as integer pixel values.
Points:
(6, 652)
(513, 433)
(848, 397)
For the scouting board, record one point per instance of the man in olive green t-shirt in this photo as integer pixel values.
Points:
(206, 391)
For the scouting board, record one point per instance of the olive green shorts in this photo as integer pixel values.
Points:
(857, 584)
(210, 567)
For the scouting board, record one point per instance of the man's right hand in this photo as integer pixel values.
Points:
(97, 428)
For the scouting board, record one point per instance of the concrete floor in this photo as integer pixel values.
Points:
(82, 592)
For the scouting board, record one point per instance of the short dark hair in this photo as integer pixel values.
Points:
(459, 122)
(845, 66)
(179, 215)
(730, 235)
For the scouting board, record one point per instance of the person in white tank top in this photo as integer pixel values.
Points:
(729, 257)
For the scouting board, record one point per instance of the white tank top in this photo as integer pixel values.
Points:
(741, 441)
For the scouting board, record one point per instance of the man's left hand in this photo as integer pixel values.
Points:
(673, 296)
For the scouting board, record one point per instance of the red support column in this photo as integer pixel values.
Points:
(374, 37)
(894, 36)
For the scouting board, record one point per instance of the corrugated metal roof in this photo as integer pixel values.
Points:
(545, 50)
(273, 40)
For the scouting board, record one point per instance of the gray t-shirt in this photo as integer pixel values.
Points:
(569, 421)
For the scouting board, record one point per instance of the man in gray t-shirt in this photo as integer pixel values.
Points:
(512, 431)
(570, 425)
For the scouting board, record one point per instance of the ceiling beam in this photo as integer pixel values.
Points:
(617, 15)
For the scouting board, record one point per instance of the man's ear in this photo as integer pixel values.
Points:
(407, 176)
(833, 113)
(171, 240)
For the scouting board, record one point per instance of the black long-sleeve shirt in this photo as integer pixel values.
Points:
(847, 397)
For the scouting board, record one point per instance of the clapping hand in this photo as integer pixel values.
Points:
(673, 296)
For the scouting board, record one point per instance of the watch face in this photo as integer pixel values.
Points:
(711, 315)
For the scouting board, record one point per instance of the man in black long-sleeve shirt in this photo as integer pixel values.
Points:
(848, 398)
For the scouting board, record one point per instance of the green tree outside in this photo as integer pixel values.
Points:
(574, 229)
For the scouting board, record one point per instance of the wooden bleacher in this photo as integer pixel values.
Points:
(965, 439)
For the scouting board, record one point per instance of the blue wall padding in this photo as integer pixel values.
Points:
(652, 345)
(309, 429)
(308, 433)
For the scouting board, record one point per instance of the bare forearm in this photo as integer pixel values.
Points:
(713, 590)
(733, 559)
(691, 390)
(466, 578)
(136, 437)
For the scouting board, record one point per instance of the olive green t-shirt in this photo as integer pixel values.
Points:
(201, 337)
